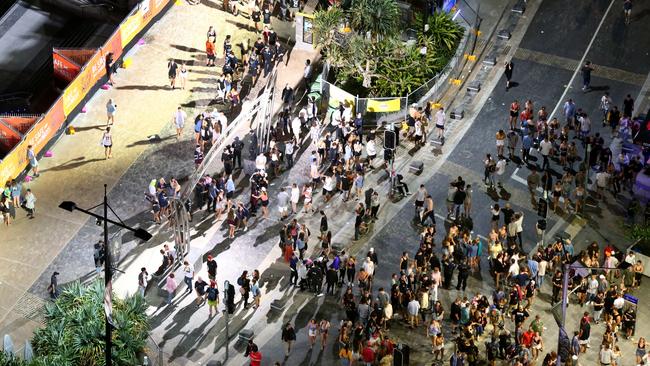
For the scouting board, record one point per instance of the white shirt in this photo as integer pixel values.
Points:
(413, 307)
(260, 162)
(514, 269)
(179, 118)
(630, 258)
(295, 194)
(618, 303)
(541, 270)
(440, 118)
(295, 126)
(602, 178)
(545, 147)
(593, 286)
(501, 166)
(188, 272)
(585, 124)
(369, 267)
(370, 148)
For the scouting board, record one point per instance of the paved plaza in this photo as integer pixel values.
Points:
(550, 40)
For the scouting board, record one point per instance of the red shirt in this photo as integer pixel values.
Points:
(368, 355)
(527, 338)
(256, 358)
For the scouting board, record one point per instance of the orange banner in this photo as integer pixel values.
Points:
(64, 68)
(38, 136)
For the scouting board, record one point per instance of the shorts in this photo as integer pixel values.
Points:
(583, 341)
(440, 127)
(172, 75)
(265, 203)
(282, 209)
(513, 114)
(213, 302)
(108, 146)
(211, 57)
(419, 204)
(33, 163)
(501, 142)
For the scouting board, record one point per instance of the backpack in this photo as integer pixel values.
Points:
(212, 294)
(240, 281)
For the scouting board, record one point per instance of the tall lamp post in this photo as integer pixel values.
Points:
(108, 269)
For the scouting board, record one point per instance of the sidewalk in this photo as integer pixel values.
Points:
(77, 170)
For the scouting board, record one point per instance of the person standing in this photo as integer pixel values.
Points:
(33, 162)
(30, 203)
(545, 148)
(170, 287)
(107, 142)
(212, 294)
(212, 268)
(627, 11)
(111, 107)
(209, 51)
(586, 75)
(288, 337)
(108, 64)
(440, 124)
(306, 75)
(628, 106)
(570, 112)
(172, 69)
(509, 66)
(53, 288)
(178, 121)
(237, 147)
(143, 281)
(188, 275)
(244, 287)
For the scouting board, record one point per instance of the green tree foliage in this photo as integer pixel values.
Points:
(378, 17)
(383, 64)
(74, 329)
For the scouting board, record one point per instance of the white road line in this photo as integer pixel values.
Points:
(582, 60)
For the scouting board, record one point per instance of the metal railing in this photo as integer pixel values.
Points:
(435, 87)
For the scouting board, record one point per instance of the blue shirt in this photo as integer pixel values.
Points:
(534, 268)
(569, 109)
(230, 185)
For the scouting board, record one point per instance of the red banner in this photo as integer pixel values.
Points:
(21, 124)
(64, 68)
(77, 55)
(9, 137)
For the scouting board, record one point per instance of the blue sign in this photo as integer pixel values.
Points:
(631, 299)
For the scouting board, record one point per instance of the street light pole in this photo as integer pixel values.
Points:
(108, 274)
(108, 268)
(226, 285)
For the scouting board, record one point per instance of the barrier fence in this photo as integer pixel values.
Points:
(388, 109)
(82, 81)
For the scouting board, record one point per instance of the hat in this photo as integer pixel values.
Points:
(263, 189)
(209, 257)
(602, 277)
(372, 249)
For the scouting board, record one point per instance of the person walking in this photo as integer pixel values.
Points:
(33, 162)
(111, 107)
(188, 275)
(586, 70)
(212, 294)
(183, 75)
(143, 281)
(288, 337)
(509, 66)
(323, 329)
(210, 51)
(30, 203)
(53, 288)
(178, 121)
(172, 69)
(212, 267)
(170, 287)
(244, 287)
(107, 142)
(312, 331)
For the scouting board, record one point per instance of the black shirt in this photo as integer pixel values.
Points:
(212, 267)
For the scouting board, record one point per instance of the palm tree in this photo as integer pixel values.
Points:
(380, 18)
(74, 328)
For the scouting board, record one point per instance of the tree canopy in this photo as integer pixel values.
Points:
(371, 52)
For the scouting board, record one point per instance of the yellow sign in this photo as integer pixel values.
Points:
(390, 105)
(130, 27)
